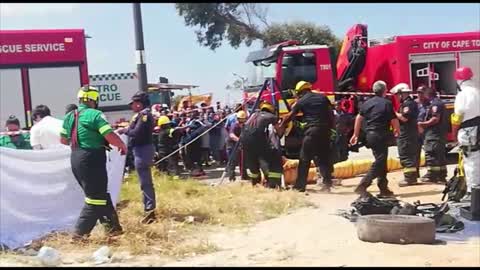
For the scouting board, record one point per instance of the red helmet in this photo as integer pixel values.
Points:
(463, 74)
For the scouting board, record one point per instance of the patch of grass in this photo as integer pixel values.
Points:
(178, 202)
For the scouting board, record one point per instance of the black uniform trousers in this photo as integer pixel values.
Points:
(170, 165)
(89, 168)
(260, 155)
(315, 146)
(194, 154)
(435, 157)
(378, 143)
(408, 150)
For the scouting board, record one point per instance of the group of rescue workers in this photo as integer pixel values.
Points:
(420, 121)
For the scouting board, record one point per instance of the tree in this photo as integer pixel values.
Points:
(246, 22)
(238, 22)
(305, 32)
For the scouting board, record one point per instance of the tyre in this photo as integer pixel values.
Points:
(396, 229)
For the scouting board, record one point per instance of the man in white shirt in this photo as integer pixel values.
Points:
(466, 120)
(45, 133)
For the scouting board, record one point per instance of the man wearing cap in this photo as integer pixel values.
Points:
(88, 133)
(422, 105)
(319, 121)
(16, 140)
(407, 141)
(379, 114)
(436, 130)
(140, 135)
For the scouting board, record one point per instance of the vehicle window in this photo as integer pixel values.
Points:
(297, 67)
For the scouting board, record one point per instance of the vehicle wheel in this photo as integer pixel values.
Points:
(396, 229)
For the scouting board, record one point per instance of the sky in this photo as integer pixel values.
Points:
(172, 51)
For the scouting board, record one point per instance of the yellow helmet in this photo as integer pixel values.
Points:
(241, 115)
(302, 85)
(267, 106)
(163, 120)
(88, 92)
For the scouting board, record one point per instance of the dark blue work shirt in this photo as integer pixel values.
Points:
(422, 110)
(141, 128)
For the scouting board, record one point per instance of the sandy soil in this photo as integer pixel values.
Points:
(314, 237)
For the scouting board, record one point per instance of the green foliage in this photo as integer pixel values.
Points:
(233, 21)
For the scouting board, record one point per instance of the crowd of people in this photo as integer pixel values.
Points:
(199, 136)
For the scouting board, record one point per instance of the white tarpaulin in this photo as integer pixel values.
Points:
(39, 194)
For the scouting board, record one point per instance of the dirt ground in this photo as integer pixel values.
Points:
(312, 237)
(317, 237)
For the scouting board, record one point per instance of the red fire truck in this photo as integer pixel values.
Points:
(415, 59)
(40, 67)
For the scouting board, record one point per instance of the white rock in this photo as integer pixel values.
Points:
(190, 219)
(49, 256)
(102, 255)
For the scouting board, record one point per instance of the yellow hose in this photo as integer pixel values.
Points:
(345, 169)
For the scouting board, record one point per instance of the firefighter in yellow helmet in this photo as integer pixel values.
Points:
(168, 139)
(260, 152)
(319, 120)
(88, 133)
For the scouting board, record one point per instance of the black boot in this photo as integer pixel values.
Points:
(429, 177)
(149, 217)
(110, 219)
(410, 179)
(385, 193)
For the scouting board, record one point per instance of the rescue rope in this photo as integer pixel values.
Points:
(10, 133)
(196, 138)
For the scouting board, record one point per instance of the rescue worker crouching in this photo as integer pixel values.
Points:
(435, 139)
(379, 114)
(87, 131)
(466, 123)
(259, 153)
(17, 141)
(407, 141)
(318, 121)
(168, 138)
(140, 135)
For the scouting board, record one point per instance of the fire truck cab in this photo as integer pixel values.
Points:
(428, 60)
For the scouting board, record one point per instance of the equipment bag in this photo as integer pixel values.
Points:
(370, 205)
(456, 187)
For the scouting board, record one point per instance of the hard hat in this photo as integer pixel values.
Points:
(88, 92)
(463, 74)
(141, 97)
(401, 88)
(241, 115)
(302, 85)
(163, 120)
(267, 106)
